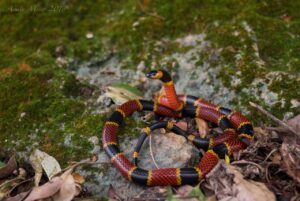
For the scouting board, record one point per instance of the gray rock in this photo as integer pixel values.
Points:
(169, 150)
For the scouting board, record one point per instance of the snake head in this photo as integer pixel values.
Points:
(155, 74)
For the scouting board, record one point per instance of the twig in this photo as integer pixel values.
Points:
(281, 130)
(275, 119)
(84, 162)
(248, 162)
(151, 153)
(274, 150)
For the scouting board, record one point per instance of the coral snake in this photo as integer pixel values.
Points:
(237, 134)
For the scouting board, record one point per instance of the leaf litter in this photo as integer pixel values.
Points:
(62, 185)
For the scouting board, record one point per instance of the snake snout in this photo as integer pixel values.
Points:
(151, 74)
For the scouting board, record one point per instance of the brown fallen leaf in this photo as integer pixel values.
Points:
(61, 187)
(182, 125)
(202, 127)
(46, 190)
(290, 151)
(68, 189)
(6, 186)
(42, 161)
(112, 195)
(295, 123)
(9, 168)
(20, 187)
(78, 178)
(228, 184)
(19, 197)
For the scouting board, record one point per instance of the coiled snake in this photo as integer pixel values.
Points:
(237, 134)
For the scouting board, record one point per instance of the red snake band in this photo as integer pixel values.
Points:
(232, 123)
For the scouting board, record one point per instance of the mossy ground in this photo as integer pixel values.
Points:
(40, 99)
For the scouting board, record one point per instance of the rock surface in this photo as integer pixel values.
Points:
(169, 150)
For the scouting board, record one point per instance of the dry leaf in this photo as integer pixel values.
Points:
(182, 125)
(121, 93)
(41, 160)
(78, 178)
(112, 195)
(68, 190)
(59, 188)
(229, 184)
(46, 190)
(23, 186)
(295, 123)
(202, 127)
(19, 197)
(290, 152)
(9, 168)
(6, 187)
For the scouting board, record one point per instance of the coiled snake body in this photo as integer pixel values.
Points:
(237, 134)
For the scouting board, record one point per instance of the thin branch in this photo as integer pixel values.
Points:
(248, 162)
(84, 162)
(275, 119)
(274, 150)
(151, 153)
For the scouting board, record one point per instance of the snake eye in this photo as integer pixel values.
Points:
(152, 74)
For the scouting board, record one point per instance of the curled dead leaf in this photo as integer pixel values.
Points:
(68, 189)
(295, 123)
(8, 185)
(46, 190)
(41, 160)
(121, 93)
(290, 154)
(182, 125)
(202, 127)
(228, 184)
(78, 178)
(19, 197)
(59, 188)
(112, 195)
(9, 168)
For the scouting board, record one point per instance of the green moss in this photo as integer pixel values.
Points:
(34, 106)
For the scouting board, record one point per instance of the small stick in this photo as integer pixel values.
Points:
(275, 119)
(270, 154)
(151, 153)
(248, 162)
